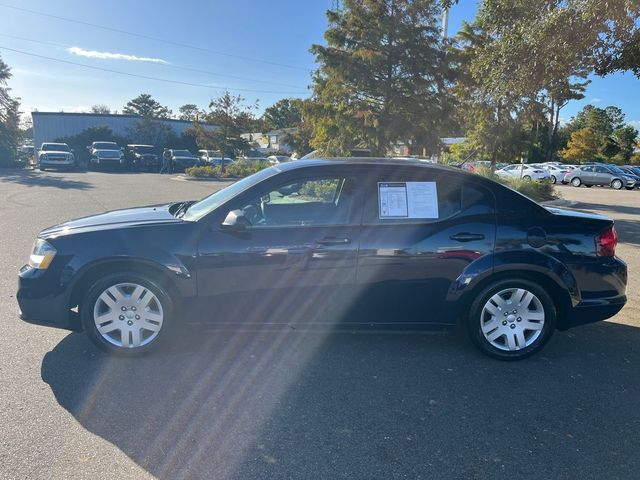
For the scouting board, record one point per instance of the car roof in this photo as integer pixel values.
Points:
(138, 145)
(53, 143)
(373, 161)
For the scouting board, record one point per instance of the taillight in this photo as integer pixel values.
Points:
(606, 242)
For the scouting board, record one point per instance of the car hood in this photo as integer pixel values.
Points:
(57, 152)
(184, 158)
(106, 153)
(130, 217)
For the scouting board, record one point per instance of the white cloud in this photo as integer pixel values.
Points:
(81, 52)
(635, 123)
(595, 100)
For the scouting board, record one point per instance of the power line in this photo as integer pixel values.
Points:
(149, 37)
(168, 65)
(146, 77)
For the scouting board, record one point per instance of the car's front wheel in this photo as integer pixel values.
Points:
(554, 180)
(126, 314)
(511, 319)
(576, 182)
(616, 184)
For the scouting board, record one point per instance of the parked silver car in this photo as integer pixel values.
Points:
(603, 175)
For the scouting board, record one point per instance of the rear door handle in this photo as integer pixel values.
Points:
(467, 237)
(333, 241)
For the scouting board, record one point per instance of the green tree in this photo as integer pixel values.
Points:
(145, 105)
(584, 146)
(189, 112)
(10, 132)
(626, 138)
(230, 117)
(285, 113)
(79, 142)
(149, 131)
(100, 108)
(382, 76)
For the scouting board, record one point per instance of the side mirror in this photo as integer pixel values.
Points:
(236, 221)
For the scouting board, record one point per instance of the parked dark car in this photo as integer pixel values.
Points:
(600, 174)
(143, 158)
(182, 159)
(379, 243)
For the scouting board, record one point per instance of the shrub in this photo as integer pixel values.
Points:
(537, 191)
(202, 172)
(241, 168)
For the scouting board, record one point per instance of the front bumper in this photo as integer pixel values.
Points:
(43, 301)
(56, 163)
(108, 161)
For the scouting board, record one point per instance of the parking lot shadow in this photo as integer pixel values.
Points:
(33, 178)
(368, 405)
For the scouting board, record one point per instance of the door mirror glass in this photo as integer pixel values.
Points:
(236, 221)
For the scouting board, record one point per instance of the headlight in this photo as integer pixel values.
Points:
(42, 254)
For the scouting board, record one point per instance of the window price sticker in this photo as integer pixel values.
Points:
(408, 199)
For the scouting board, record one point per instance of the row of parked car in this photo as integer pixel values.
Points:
(588, 174)
(136, 157)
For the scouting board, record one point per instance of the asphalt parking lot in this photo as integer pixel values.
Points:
(286, 404)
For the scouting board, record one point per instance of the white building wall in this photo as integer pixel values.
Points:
(47, 126)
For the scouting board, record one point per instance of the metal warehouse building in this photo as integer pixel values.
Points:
(48, 126)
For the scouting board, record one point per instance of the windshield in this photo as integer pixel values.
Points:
(106, 146)
(615, 169)
(213, 201)
(145, 149)
(55, 147)
(182, 153)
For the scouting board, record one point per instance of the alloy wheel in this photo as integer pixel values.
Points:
(576, 182)
(512, 319)
(128, 315)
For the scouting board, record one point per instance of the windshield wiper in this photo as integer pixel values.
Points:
(182, 208)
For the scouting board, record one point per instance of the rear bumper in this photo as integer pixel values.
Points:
(590, 311)
(41, 303)
(603, 291)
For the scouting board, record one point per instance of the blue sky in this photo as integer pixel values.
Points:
(266, 46)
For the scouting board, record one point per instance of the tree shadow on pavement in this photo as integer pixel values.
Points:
(32, 178)
(606, 209)
(241, 404)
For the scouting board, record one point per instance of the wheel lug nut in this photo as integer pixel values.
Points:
(513, 325)
(137, 317)
(504, 322)
(514, 312)
(519, 319)
(121, 317)
(133, 308)
(506, 313)
(124, 309)
(129, 322)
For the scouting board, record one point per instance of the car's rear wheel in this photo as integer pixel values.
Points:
(126, 314)
(526, 178)
(616, 184)
(511, 319)
(576, 182)
(554, 180)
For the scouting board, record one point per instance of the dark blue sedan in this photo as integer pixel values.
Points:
(343, 243)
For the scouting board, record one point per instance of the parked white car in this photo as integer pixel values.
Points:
(276, 159)
(55, 155)
(524, 171)
(557, 171)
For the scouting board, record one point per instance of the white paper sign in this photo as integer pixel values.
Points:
(408, 200)
(393, 200)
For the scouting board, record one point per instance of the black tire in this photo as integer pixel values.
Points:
(616, 184)
(629, 188)
(588, 186)
(42, 169)
(576, 182)
(92, 295)
(526, 178)
(474, 320)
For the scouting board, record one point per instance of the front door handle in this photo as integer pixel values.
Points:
(333, 241)
(467, 237)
